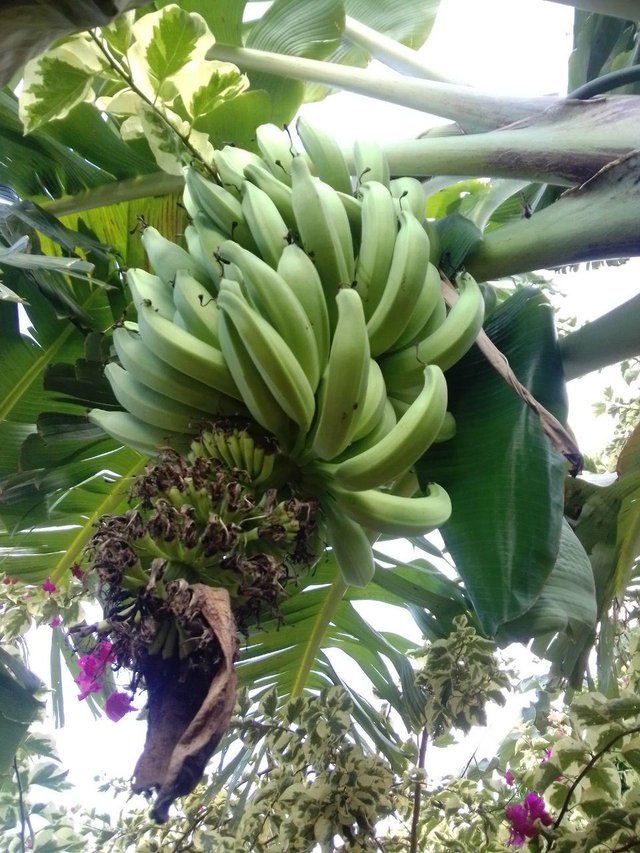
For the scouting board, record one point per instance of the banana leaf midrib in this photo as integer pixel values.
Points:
(32, 374)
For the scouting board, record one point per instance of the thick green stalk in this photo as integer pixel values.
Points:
(598, 220)
(627, 9)
(392, 53)
(144, 186)
(565, 145)
(607, 340)
(473, 109)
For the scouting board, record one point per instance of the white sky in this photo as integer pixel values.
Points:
(502, 45)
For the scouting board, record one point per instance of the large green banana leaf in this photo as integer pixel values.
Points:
(505, 479)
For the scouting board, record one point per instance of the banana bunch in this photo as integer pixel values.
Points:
(306, 304)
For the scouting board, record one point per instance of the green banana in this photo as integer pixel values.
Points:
(404, 284)
(185, 352)
(273, 299)
(337, 211)
(148, 369)
(320, 231)
(393, 514)
(268, 228)
(210, 238)
(409, 194)
(298, 270)
(405, 444)
(350, 545)
(278, 191)
(374, 403)
(277, 150)
(445, 346)
(166, 258)
(133, 433)
(150, 407)
(370, 162)
(428, 301)
(276, 363)
(197, 308)
(230, 163)
(211, 274)
(379, 229)
(325, 154)
(221, 206)
(255, 394)
(344, 384)
(386, 423)
(149, 289)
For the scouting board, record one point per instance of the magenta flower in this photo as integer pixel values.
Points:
(55, 621)
(49, 586)
(117, 705)
(523, 818)
(92, 668)
(546, 756)
(509, 778)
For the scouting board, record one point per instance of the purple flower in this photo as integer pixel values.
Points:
(49, 586)
(546, 756)
(92, 668)
(76, 571)
(55, 621)
(509, 778)
(523, 817)
(117, 705)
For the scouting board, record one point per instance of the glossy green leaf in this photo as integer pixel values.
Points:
(567, 603)
(504, 478)
(311, 30)
(409, 23)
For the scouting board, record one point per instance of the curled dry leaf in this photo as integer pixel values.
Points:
(189, 706)
(560, 436)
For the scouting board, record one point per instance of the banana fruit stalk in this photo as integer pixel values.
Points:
(306, 307)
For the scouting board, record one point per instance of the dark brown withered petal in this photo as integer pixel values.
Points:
(189, 707)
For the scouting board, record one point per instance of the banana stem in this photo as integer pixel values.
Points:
(472, 108)
(392, 53)
(607, 340)
(593, 222)
(335, 594)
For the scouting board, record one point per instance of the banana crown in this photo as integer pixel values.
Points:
(306, 302)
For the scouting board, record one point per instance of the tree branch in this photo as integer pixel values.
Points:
(594, 758)
(417, 794)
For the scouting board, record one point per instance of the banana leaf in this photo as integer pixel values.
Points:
(505, 480)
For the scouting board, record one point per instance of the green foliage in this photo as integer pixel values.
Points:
(460, 674)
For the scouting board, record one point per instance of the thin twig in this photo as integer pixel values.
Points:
(126, 76)
(24, 818)
(417, 793)
(587, 768)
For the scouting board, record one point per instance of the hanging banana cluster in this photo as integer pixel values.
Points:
(312, 309)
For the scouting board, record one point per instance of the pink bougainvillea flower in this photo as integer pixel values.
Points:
(7, 580)
(55, 621)
(523, 817)
(117, 705)
(546, 756)
(509, 778)
(49, 586)
(76, 571)
(92, 668)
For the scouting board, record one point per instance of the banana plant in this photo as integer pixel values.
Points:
(160, 94)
